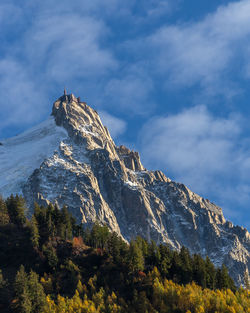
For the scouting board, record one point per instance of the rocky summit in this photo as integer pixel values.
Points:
(71, 160)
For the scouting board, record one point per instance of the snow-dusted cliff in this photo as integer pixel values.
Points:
(72, 160)
(22, 154)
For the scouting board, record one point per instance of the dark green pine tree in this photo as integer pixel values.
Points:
(2, 281)
(41, 218)
(210, 274)
(16, 209)
(135, 258)
(23, 302)
(199, 270)
(66, 226)
(34, 232)
(223, 280)
(141, 303)
(165, 259)
(50, 221)
(72, 276)
(154, 255)
(175, 268)
(36, 292)
(116, 247)
(143, 245)
(3, 289)
(4, 216)
(186, 266)
(99, 236)
(51, 256)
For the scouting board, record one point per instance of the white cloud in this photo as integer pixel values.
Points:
(69, 47)
(7, 9)
(203, 151)
(21, 101)
(159, 8)
(131, 93)
(201, 53)
(50, 50)
(116, 126)
(80, 44)
(191, 142)
(57, 43)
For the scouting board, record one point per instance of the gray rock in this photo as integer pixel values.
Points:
(97, 180)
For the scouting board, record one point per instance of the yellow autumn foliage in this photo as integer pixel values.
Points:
(167, 296)
(192, 298)
(85, 305)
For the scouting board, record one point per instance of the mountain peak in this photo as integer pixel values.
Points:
(72, 160)
(82, 123)
(68, 98)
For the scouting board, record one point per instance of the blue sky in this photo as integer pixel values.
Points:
(170, 79)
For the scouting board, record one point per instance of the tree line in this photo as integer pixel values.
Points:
(50, 264)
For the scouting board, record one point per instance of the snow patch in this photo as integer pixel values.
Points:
(87, 130)
(131, 184)
(22, 154)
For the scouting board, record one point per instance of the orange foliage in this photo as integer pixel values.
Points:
(77, 242)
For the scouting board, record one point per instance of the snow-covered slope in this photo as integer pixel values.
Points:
(77, 164)
(22, 154)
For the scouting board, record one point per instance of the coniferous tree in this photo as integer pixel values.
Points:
(165, 263)
(3, 284)
(116, 247)
(210, 274)
(186, 266)
(135, 257)
(49, 221)
(140, 268)
(199, 270)
(34, 232)
(154, 255)
(51, 256)
(72, 276)
(223, 280)
(4, 216)
(66, 224)
(36, 292)
(2, 281)
(175, 267)
(98, 236)
(44, 227)
(16, 209)
(3, 290)
(23, 303)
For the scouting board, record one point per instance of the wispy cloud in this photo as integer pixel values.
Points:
(50, 50)
(115, 125)
(70, 49)
(124, 57)
(202, 53)
(191, 142)
(76, 44)
(21, 99)
(203, 151)
(131, 93)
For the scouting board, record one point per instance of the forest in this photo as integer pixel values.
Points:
(48, 263)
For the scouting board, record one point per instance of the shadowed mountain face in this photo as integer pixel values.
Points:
(72, 160)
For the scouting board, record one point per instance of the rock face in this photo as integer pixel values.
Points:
(97, 180)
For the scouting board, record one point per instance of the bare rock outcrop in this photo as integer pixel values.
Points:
(97, 180)
(130, 158)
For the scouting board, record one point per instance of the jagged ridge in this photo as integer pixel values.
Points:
(99, 181)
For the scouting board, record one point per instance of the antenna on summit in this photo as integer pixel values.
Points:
(65, 93)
